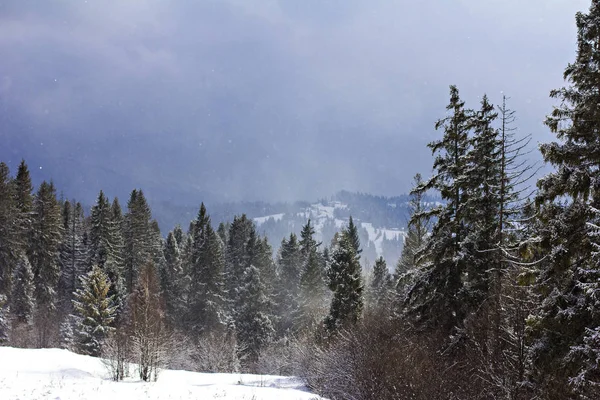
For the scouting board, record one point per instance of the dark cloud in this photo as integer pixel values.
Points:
(274, 99)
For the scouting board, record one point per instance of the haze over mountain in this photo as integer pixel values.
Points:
(272, 100)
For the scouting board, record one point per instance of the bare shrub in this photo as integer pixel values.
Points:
(217, 353)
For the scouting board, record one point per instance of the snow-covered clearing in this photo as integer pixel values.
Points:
(32, 374)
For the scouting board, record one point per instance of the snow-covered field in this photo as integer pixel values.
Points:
(27, 374)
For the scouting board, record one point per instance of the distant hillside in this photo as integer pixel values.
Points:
(382, 220)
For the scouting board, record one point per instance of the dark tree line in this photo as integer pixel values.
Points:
(110, 282)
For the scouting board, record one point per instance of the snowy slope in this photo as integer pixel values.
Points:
(34, 374)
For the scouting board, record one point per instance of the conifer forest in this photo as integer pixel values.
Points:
(495, 293)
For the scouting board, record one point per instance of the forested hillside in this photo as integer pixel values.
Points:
(494, 295)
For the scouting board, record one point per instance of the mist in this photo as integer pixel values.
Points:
(261, 100)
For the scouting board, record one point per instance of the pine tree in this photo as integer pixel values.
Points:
(289, 271)
(206, 297)
(344, 280)
(237, 255)
(22, 301)
(138, 237)
(3, 320)
(9, 244)
(433, 301)
(312, 299)
(482, 206)
(380, 285)
(416, 236)
(352, 232)
(565, 326)
(100, 232)
(43, 254)
(171, 278)
(23, 190)
(115, 262)
(72, 253)
(95, 312)
(253, 324)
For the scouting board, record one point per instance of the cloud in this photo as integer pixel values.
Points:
(274, 99)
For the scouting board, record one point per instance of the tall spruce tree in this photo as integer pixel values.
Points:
(345, 281)
(94, 312)
(138, 237)
(380, 285)
(22, 300)
(171, 277)
(43, 254)
(9, 244)
(289, 265)
(313, 289)
(564, 329)
(23, 192)
(206, 311)
(417, 232)
(434, 301)
(72, 253)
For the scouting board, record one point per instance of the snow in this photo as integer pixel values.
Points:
(34, 374)
(261, 220)
(376, 235)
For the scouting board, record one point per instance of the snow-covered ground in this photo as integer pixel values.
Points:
(32, 374)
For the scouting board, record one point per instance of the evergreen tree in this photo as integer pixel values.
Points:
(253, 324)
(564, 329)
(344, 280)
(434, 301)
(3, 320)
(290, 270)
(23, 190)
(138, 237)
(9, 244)
(22, 301)
(100, 232)
(206, 297)
(43, 254)
(417, 233)
(381, 283)
(171, 277)
(312, 299)
(352, 232)
(179, 236)
(72, 253)
(482, 207)
(95, 311)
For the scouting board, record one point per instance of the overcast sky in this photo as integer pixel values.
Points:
(262, 99)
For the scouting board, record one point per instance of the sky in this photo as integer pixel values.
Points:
(231, 100)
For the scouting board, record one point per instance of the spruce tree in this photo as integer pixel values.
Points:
(289, 271)
(23, 190)
(380, 285)
(94, 312)
(206, 300)
(9, 244)
(3, 320)
(417, 232)
(43, 254)
(171, 278)
(72, 253)
(482, 207)
(22, 301)
(434, 299)
(564, 329)
(345, 282)
(253, 324)
(312, 299)
(138, 237)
